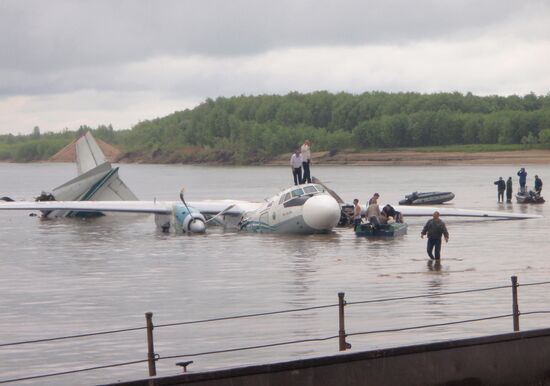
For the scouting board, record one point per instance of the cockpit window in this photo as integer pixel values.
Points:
(282, 199)
(310, 189)
(287, 196)
(320, 188)
(297, 193)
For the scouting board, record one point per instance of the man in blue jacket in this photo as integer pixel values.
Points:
(522, 179)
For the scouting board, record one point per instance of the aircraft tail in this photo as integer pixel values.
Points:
(88, 154)
(96, 181)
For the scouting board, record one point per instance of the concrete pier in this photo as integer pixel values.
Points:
(520, 358)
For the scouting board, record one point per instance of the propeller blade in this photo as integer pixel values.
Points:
(221, 213)
(330, 191)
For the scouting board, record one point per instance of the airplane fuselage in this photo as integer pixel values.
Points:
(303, 209)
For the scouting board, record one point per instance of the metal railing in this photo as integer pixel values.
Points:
(153, 357)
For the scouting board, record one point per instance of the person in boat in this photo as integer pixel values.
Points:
(390, 212)
(509, 190)
(356, 214)
(538, 185)
(374, 199)
(501, 187)
(373, 214)
(306, 161)
(522, 174)
(296, 166)
(435, 228)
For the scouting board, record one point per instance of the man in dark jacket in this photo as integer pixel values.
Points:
(538, 185)
(509, 190)
(501, 187)
(435, 228)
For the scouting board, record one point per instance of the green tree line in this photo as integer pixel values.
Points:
(250, 129)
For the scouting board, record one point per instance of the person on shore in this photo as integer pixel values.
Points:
(306, 161)
(509, 190)
(522, 174)
(538, 185)
(435, 228)
(356, 214)
(296, 166)
(501, 187)
(374, 199)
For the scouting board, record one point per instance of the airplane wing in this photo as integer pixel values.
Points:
(160, 207)
(213, 207)
(210, 207)
(447, 212)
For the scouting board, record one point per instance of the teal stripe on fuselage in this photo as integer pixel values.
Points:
(90, 193)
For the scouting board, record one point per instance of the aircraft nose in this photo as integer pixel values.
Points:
(321, 212)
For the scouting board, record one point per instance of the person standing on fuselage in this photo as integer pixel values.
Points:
(509, 190)
(522, 174)
(435, 228)
(306, 161)
(296, 166)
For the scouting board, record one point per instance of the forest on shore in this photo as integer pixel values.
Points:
(254, 129)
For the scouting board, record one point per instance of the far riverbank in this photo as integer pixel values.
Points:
(418, 158)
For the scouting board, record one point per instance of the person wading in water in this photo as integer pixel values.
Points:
(435, 228)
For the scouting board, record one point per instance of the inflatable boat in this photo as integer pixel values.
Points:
(427, 198)
(529, 198)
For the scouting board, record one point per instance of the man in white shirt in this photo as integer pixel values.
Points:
(306, 160)
(296, 166)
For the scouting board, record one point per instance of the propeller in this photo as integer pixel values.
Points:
(330, 191)
(183, 200)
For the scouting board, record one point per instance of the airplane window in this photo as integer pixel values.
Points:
(282, 199)
(297, 193)
(310, 189)
(287, 196)
(320, 188)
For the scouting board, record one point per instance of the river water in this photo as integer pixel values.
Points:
(72, 276)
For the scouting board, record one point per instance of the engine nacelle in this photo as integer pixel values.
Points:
(189, 221)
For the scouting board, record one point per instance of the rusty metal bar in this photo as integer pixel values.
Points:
(150, 345)
(342, 329)
(515, 307)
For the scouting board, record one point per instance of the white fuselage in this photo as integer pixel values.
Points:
(302, 209)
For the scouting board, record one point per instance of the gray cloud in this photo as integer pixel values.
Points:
(42, 35)
(66, 63)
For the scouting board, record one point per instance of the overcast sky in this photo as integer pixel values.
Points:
(68, 63)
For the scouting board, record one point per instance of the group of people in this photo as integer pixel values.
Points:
(435, 228)
(506, 186)
(301, 160)
(373, 214)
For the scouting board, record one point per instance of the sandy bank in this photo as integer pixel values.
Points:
(414, 158)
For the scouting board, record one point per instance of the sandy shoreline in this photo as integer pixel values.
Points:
(382, 158)
(413, 158)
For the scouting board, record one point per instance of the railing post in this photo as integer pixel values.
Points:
(150, 344)
(515, 307)
(343, 345)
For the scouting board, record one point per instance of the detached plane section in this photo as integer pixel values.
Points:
(96, 181)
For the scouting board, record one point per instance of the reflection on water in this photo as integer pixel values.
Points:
(70, 276)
